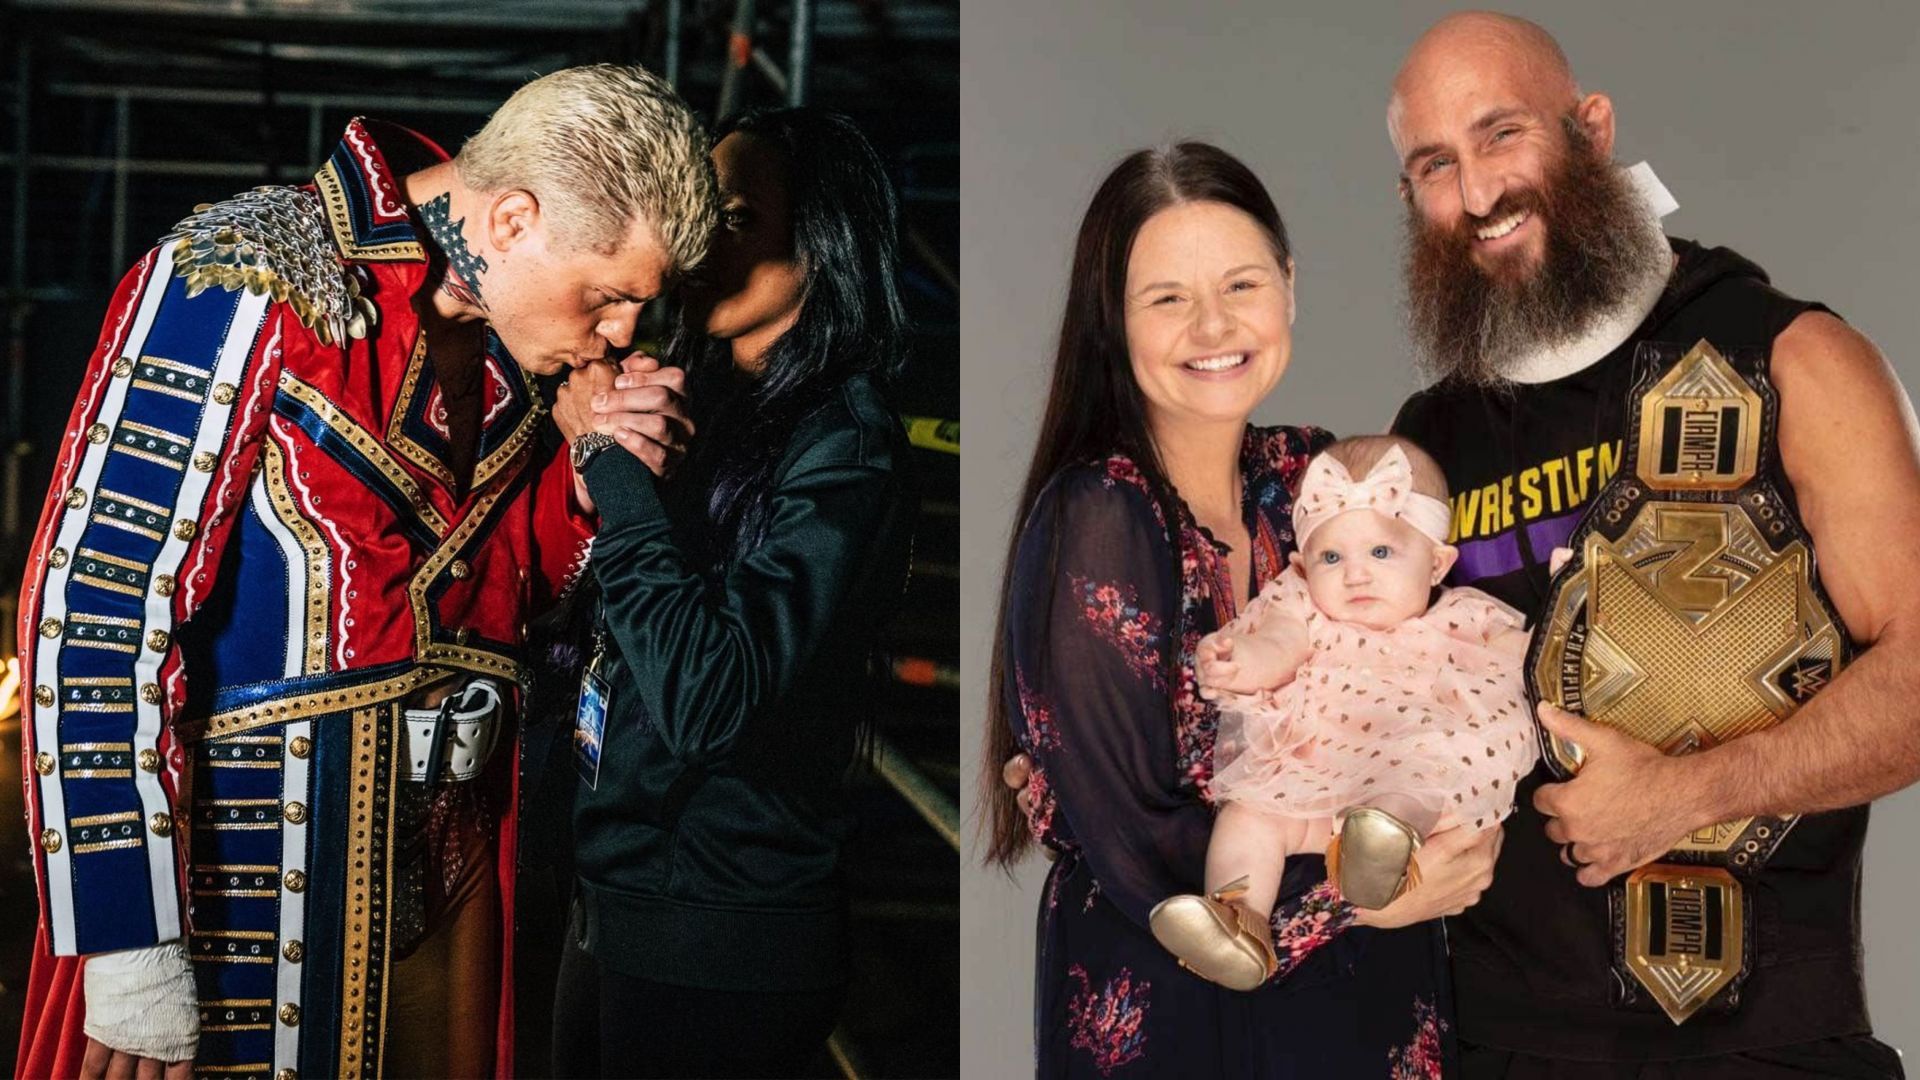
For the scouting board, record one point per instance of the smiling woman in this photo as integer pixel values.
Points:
(1152, 510)
(1209, 330)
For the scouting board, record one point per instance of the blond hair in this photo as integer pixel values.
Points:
(602, 146)
(1360, 453)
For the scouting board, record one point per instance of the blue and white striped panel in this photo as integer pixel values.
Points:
(107, 622)
(242, 804)
(290, 971)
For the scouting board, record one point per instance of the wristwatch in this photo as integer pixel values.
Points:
(586, 448)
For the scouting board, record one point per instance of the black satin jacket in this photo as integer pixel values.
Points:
(709, 847)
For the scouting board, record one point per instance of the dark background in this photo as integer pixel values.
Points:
(117, 116)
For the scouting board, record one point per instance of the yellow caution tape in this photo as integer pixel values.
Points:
(933, 433)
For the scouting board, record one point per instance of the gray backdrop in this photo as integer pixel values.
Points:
(1786, 131)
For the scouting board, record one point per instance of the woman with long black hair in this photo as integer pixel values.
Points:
(1152, 511)
(739, 604)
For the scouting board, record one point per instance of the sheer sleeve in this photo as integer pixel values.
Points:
(1094, 600)
(1092, 640)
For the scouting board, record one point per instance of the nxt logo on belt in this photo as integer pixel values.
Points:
(1687, 616)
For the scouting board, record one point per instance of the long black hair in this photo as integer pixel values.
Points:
(845, 236)
(843, 216)
(1095, 407)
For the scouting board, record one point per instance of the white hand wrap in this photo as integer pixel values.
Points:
(143, 1002)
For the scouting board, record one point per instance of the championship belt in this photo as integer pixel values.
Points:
(1689, 614)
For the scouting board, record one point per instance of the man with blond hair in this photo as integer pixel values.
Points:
(276, 605)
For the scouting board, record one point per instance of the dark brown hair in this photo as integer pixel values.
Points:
(1094, 407)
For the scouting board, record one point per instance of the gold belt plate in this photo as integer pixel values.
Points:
(1686, 933)
(1686, 631)
(1690, 614)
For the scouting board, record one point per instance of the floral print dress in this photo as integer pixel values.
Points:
(1111, 593)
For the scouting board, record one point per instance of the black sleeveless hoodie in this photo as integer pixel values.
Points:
(1532, 967)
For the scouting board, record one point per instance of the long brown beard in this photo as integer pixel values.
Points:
(1602, 243)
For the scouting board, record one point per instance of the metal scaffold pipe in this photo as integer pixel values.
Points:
(739, 55)
(800, 52)
(921, 793)
(672, 64)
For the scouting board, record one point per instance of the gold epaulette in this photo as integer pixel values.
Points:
(273, 241)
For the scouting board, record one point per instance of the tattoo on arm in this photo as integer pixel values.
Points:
(462, 281)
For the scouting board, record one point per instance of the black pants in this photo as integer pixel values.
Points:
(609, 1024)
(1855, 1057)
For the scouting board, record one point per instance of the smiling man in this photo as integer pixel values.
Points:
(1535, 269)
(277, 598)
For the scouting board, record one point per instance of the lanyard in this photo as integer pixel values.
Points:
(598, 655)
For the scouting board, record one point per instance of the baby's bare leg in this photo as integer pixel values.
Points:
(1249, 844)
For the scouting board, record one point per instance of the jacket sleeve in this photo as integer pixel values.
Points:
(562, 532)
(1094, 614)
(707, 662)
(150, 473)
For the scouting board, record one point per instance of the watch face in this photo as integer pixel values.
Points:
(586, 446)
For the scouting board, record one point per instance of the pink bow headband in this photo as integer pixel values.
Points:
(1329, 491)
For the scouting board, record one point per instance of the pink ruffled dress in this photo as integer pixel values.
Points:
(1430, 709)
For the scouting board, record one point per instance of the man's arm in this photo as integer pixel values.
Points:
(1851, 447)
(151, 471)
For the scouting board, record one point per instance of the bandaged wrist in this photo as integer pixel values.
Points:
(143, 1002)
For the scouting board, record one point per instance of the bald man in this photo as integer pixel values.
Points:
(1534, 268)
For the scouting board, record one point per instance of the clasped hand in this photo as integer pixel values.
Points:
(643, 406)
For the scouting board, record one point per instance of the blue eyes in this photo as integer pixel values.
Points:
(1441, 161)
(1378, 551)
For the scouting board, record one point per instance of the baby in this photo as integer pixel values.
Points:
(1348, 703)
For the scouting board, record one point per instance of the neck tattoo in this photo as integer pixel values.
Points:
(462, 280)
